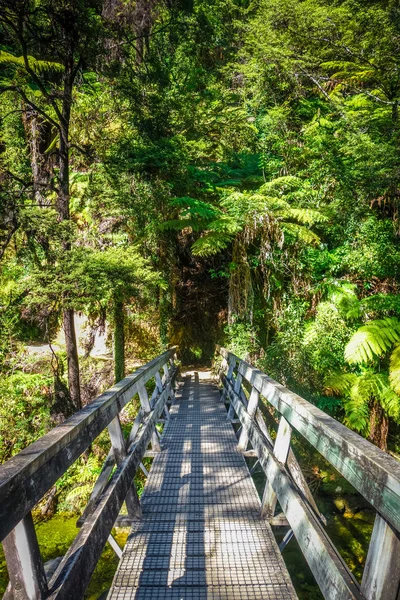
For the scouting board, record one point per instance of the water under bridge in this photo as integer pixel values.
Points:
(200, 530)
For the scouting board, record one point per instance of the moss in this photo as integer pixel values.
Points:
(55, 537)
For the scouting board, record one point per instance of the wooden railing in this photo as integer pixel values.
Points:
(26, 477)
(373, 473)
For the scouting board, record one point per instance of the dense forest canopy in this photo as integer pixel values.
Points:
(189, 172)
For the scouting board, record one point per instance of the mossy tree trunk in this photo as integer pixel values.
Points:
(379, 425)
(119, 338)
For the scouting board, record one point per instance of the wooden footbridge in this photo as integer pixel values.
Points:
(200, 530)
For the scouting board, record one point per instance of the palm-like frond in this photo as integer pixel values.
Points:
(307, 216)
(38, 66)
(394, 371)
(344, 296)
(339, 383)
(179, 224)
(367, 387)
(211, 243)
(372, 340)
(302, 233)
(195, 208)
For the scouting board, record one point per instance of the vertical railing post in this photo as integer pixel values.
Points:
(145, 404)
(281, 450)
(251, 409)
(231, 365)
(166, 372)
(24, 563)
(237, 389)
(119, 447)
(381, 577)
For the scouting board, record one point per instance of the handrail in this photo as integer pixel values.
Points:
(375, 474)
(26, 477)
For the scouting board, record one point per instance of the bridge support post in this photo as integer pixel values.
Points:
(118, 443)
(251, 409)
(381, 577)
(144, 401)
(281, 451)
(237, 388)
(229, 375)
(25, 566)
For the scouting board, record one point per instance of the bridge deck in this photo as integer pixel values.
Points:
(200, 536)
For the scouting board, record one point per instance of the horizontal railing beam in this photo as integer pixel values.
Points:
(74, 572)
(372, 472)
(26, 477)
(331, 573)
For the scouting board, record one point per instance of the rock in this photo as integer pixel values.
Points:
(51, 566)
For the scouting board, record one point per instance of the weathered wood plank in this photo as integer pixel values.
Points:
(292, 463)
(381, 577)
(251, 409)
(74, 572)
(281, 449)
(26, 477)
(119, 447)
(26, 570)
(145, 404)
(374, 473)
(328, 568)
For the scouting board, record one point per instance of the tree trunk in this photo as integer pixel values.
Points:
(119, 339)
(72, 358)
(39, 135)
(64, 215)
(379, 426)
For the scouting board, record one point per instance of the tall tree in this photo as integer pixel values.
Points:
(50, 44)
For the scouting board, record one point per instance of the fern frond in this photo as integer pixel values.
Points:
(211, 243)
(343, 295)
(390, 401)
(288, 183)
(394, 369)
(224, 225)
(302, 233)
(339, 383)
(38, 66)
(179, 224)
(194, 207)
(372, 340)
(357, 415)
(307, 216)
(381, 302)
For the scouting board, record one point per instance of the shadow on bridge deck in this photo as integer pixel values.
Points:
(200, 536)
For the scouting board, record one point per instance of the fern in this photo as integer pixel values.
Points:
(339, 383)
(372, 340)
(225, 225)
(302, 233)
(40, 67)
(307, 216)
(343, 295)
(195, 208)
(179, 224)
(211, 243)
(394, 371)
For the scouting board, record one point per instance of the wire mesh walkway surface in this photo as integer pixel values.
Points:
(201, 536)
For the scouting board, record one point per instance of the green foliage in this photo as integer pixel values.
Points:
(373, 339)
(25, 401)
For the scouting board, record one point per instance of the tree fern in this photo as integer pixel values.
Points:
(301, 233)
(339, 383)
(211, 243)
(38, 66)
(372, 340)
(394, 371)
(195, 208)
(307, 216)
